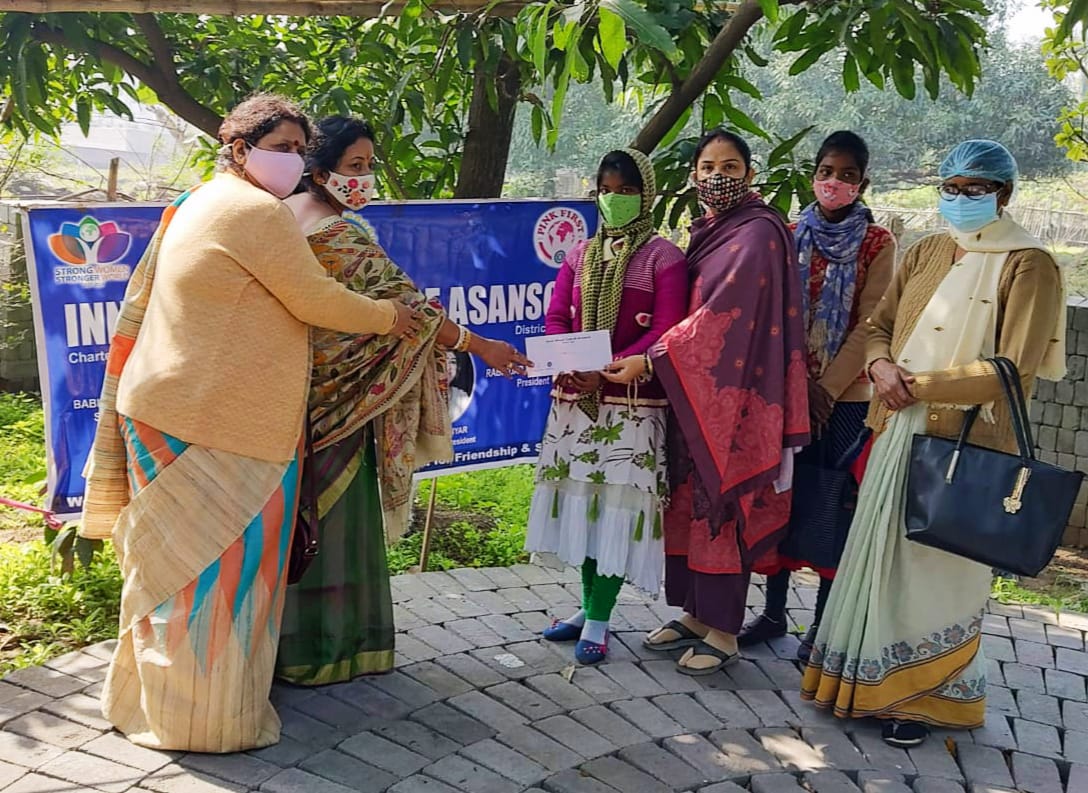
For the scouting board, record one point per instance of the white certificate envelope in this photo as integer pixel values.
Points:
(569, 352)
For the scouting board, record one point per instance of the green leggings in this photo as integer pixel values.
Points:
(599, 592)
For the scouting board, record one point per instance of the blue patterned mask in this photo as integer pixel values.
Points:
(970, 214)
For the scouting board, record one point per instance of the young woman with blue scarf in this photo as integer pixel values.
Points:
(846, 262)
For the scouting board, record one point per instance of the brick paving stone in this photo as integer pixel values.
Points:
(785, 647)
(932, 759)
(572, 781)
(533, 574)
(1034, 654)
(692, 716)
(1038, 614)
(649, 718)
(405, 688)
(36, 783)
(774, 783)
(288, 752)
(441, 582)
(9, 773)
(503, 577)
(386, 755)
(632, 680)
(418, 738)
(524, 701)
(575, 736)
(793, 752)
(1032, 706)
(881, 756)
(879, 782)
(470, 669)
(556, 688)
(1058, 636)
(836, 749)
(701, 754)
(728, 707)
(462, 774)
(1076, 746)
(51, 729)
(463, 605)
(341, 715)
(45, 681)
(413, 649)
(285, 696)
(409, 587)
(405, 619)
(349, 771)
(103, 650)
(996, 625)
(453, 723)
(472, 580)
(784, 673)
(97, 772)
(1001, 699)
(241, 768)
(557, 598)
(1004, 609)
(441, 681)
(999, 648)
(828, 781)
(673, 681)
(80, 665)
(496, 603)
(1035, 774)
(592, 682)
(504, 760)
(930, 785)
(534, 659)
(633, 641)
(1035, 738)
(1065, 685)
(93, 691)
(623, 776)
(487, 710)
(295, 780)
(609, 725)
(996, 731)
(421, 784)
(1019, 676)
(509, 628)
(533, 621)
(114, 747)
(662, 765)
(639, 617)
(81, 709)
(175, 779)
(746, 675)
(994, 675)
(1029, 630)
(446, 642)
(745, 755)
(539, 748)
(769, 707)
(983, 765)
(809, 714)
(1075, 715)
(1078, 778)
(1072, 661)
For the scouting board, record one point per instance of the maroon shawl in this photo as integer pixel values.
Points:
(734, 369)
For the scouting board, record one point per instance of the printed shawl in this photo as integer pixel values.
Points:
(106, 472)
(400, 385)
(735, 369)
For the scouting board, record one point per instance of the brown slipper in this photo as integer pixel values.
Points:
(702, 648)
(688, 638)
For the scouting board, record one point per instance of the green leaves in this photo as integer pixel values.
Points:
(613, 37)
(643, 26)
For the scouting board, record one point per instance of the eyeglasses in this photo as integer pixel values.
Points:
(951, 191)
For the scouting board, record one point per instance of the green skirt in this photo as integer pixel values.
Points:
(338, 620)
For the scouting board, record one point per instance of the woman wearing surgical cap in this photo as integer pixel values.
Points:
(900, 637)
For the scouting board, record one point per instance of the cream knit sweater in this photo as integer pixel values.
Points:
(223, 357)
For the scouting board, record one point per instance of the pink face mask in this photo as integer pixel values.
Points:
(834, 194)
(278, 172)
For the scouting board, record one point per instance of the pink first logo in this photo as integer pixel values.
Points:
(556, 233)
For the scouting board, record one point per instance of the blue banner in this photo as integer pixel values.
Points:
(492, 264)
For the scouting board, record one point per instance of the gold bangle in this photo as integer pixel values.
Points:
(464, 341)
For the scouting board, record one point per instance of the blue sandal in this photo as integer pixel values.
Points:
(589, 653)
(562, 632)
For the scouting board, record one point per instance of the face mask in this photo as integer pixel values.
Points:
(719, 192)
(354, 192)
(617, 210)
(834, 194)
(970, 214)
(278, 172)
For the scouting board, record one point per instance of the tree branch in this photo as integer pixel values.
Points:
(161, 50)
(700, 78)
(163, 82)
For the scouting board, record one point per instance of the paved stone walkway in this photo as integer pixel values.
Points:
(480, 704)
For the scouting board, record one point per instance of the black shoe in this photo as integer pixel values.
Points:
(761, 629)
(905, 734)
(804, 650)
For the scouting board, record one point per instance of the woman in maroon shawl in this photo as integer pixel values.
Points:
(734, 372)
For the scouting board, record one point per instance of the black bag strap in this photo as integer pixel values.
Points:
(1014, 393)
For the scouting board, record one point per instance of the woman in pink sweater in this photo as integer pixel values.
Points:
(601, 479)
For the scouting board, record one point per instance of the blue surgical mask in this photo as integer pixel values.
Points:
(970, 214)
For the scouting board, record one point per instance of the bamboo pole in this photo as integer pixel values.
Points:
(111, 185)
(425, 546)
(357, 8)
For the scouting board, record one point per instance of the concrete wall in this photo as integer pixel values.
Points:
(18, 358)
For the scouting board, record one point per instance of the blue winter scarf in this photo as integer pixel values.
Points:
(839, 243)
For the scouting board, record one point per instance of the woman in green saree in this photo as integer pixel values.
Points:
(378, 412)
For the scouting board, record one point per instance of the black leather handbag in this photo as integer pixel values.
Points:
(1006, 511)
(305, 544)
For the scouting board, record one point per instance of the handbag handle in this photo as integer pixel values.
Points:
(1009, 377)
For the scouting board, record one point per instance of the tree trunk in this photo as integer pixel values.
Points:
(490, 130)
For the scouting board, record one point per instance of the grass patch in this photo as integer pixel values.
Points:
(22, 463)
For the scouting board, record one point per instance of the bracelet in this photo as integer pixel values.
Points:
(648, 364)
(464, 339)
